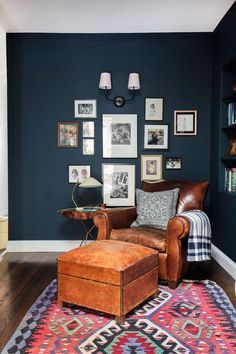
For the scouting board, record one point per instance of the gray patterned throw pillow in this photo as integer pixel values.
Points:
(154, 209)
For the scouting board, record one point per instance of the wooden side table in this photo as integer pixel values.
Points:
(82, 216)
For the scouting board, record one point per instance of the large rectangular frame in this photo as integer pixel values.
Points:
(118, 184)
(185, 122)
(151, 167)
(119, 135)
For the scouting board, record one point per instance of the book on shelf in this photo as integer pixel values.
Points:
(231, 116)
(230, 179)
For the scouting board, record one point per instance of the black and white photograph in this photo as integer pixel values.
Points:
(173, 163)
(78, 173)
(88, 129)
(156, 136)
(118, 184)
(151, 167)
(185, 122)
(119, 135)
(85, 109)
(154, 109)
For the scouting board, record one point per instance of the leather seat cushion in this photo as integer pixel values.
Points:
(108, 261)
(145, 236)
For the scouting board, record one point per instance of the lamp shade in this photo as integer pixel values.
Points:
(90, 182)
(105, 81)
(134, 82)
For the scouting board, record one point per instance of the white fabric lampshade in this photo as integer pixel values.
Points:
(90, 182)
(134, 82)
(105, 81)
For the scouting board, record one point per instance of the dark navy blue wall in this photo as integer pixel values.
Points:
(223, 205)
(47, 72)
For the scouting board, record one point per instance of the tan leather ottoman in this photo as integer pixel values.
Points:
(109, 276)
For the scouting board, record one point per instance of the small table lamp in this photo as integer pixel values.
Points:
(89, 182)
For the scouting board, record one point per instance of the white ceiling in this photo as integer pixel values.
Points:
(110, 16)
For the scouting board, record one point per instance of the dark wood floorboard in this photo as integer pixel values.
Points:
(23, 277)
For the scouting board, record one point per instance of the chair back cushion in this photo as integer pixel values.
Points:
(191, 194)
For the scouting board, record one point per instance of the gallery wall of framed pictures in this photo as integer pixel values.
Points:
(119, 140)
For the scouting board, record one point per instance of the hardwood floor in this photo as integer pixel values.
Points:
(23, 277)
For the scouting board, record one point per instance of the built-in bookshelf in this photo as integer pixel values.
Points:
(227, 176)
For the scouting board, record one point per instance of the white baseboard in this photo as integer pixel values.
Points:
(225, 262)
(43, 246)
(64, 246)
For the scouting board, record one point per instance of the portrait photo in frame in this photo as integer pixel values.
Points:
(156, 136)
(67, 133)
(154, 109)
(78, 172)
(88, 129)
(119, 135)
(118, 184)
(85, 108)
(151, 167)
(185, 122)
(173, 163)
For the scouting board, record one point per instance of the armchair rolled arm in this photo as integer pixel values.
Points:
(116, 218)
(177, 234)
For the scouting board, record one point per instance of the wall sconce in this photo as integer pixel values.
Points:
(119, 101)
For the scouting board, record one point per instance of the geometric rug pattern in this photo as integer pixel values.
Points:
(197, 317)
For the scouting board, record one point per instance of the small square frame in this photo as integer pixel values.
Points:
(173, 163)
(154, 109)
(156, 136)
(151, 167)
(78, 172)
(185, 122)
(85, 108)
(67, 134)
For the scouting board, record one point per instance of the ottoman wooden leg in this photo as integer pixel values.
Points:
(59, 303)
(120, 319)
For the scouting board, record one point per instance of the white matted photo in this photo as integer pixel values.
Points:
(185, 122)
(78, 172)
(85, 108)
(151, 167)
(156, 136)
(118, 184)
(119, 135)
(88, 129)
(88, 146)
(154, 109)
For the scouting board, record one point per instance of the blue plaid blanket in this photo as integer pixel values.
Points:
(199, 241)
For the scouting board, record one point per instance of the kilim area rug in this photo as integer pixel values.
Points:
(197, 317)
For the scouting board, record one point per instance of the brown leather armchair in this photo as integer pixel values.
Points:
(172, 244)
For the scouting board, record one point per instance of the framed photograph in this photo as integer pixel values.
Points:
(78, 172)
(156, 136)
(118, 184)
(151, 167)
(67, 134)
(85, 108)
(185, 122)
(154, 109)
(88, 146)
(173, 163)
(88, 129)
(120, 135)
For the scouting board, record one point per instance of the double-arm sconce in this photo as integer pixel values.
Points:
(119, 101)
